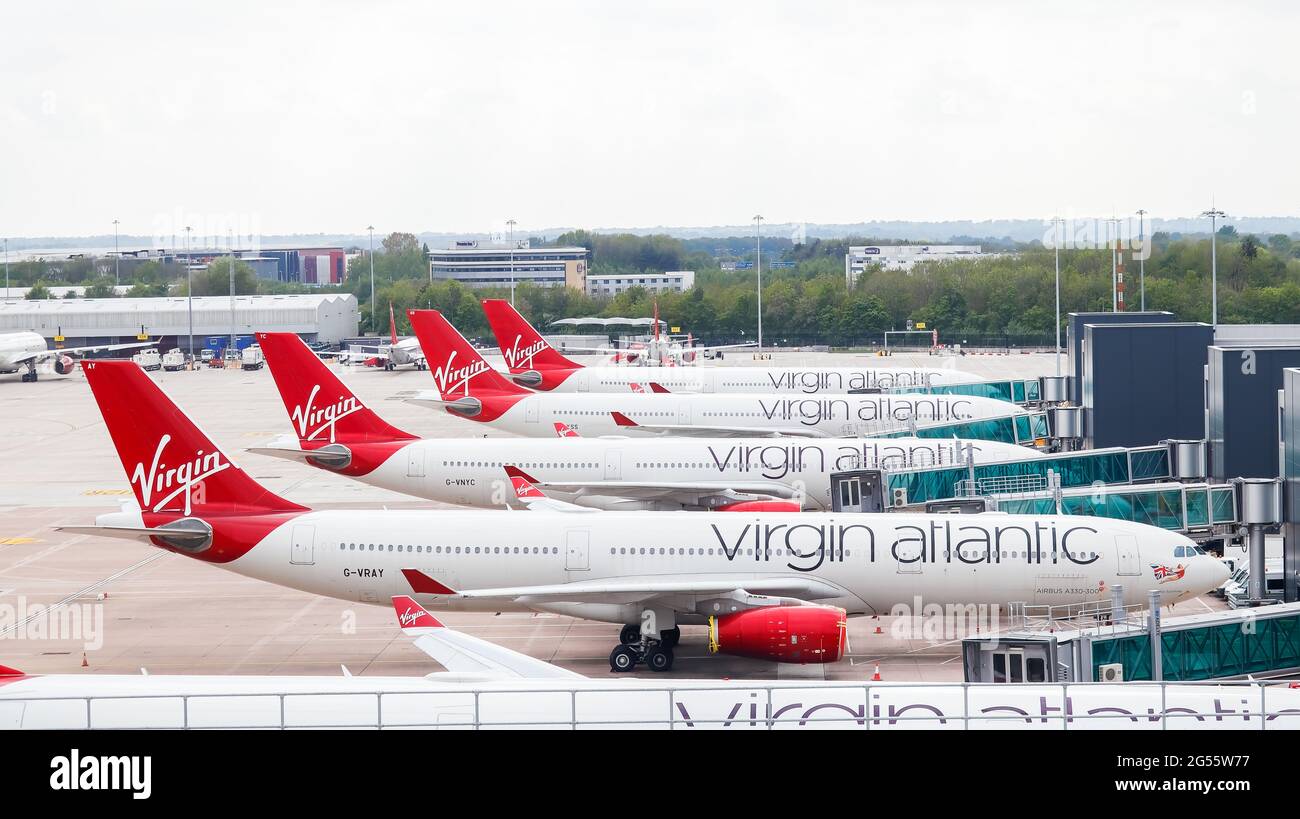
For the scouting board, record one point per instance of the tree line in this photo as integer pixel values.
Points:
(1008, 295)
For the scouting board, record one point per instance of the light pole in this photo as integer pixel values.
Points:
(1057, 224)
(232, 292)
(1215, 215)
(1142, 258)
(371, 228)
(6, 267)
(758, 265)
(117, 257)
(511, 224)
(1114, 266)
(189, 291)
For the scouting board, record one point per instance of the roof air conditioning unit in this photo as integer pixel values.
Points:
(900, 497)
(1110, 673)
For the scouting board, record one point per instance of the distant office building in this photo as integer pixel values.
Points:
(673, 281)
(306, 265)
(899, 257)
(483, 264)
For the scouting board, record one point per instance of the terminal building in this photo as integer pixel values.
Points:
(483, 264)
(899, 257)
(327, 318)
(611, 284)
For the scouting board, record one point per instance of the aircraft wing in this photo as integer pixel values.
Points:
(42, 354)
(529, 495)
(702, 431)
(747, 590)
(462, 653)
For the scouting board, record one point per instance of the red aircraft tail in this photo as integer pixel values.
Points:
(173, 467)
(456, 367)
(523, 347)
(321, 407)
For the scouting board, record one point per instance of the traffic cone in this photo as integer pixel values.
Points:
(84, 662)
(876, 677)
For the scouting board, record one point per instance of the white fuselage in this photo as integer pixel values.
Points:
(873, 562)
(81, 701)
(772, 380)
(470, 472)
(833, 416)
(13, 345)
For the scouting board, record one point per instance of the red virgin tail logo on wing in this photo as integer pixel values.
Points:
(451, 379)
(517, 358)
(636, 387)
(1164, 574)
(411, 617)
(565, 431)
(311, 421)
(185, 478)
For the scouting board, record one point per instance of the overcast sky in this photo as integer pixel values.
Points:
(328, 116)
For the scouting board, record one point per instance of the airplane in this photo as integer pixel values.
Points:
(397, 353)
(650, 571)
(532, 362)
(27, 349)
(334, 430)
(467, 387)
(487, 685)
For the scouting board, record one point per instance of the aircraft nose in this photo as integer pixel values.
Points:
(1219, 572)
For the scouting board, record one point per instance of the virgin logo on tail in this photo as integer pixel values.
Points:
(410, 617)
(162, 477)
(516, 357)
(311, 420)
(452, 379)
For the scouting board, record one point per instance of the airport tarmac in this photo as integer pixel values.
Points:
(141, 607)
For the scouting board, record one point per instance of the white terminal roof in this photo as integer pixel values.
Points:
(332, 316)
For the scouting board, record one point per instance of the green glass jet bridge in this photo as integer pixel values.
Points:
(1097, 643)
(1143, 484)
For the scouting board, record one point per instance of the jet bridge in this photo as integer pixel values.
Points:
(1027, 429)
(1027, 392)
(1101, 642)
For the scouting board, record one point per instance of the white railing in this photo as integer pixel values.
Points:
(871, 706)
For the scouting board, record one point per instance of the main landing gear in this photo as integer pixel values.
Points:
(30, 375)
(635, 647)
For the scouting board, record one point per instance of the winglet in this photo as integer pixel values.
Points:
(563, 430)
(421, 583)
(622, 420)
(6, 671)
(411, 614)
(655, 386)
(523, 484)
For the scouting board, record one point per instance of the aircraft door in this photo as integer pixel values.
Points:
(684, 413)
(907, 555)
(582, 380)
(414, 462)
(614, 465)
(303, 552)
(576, 550)
(530, 411)
(1126, 550)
